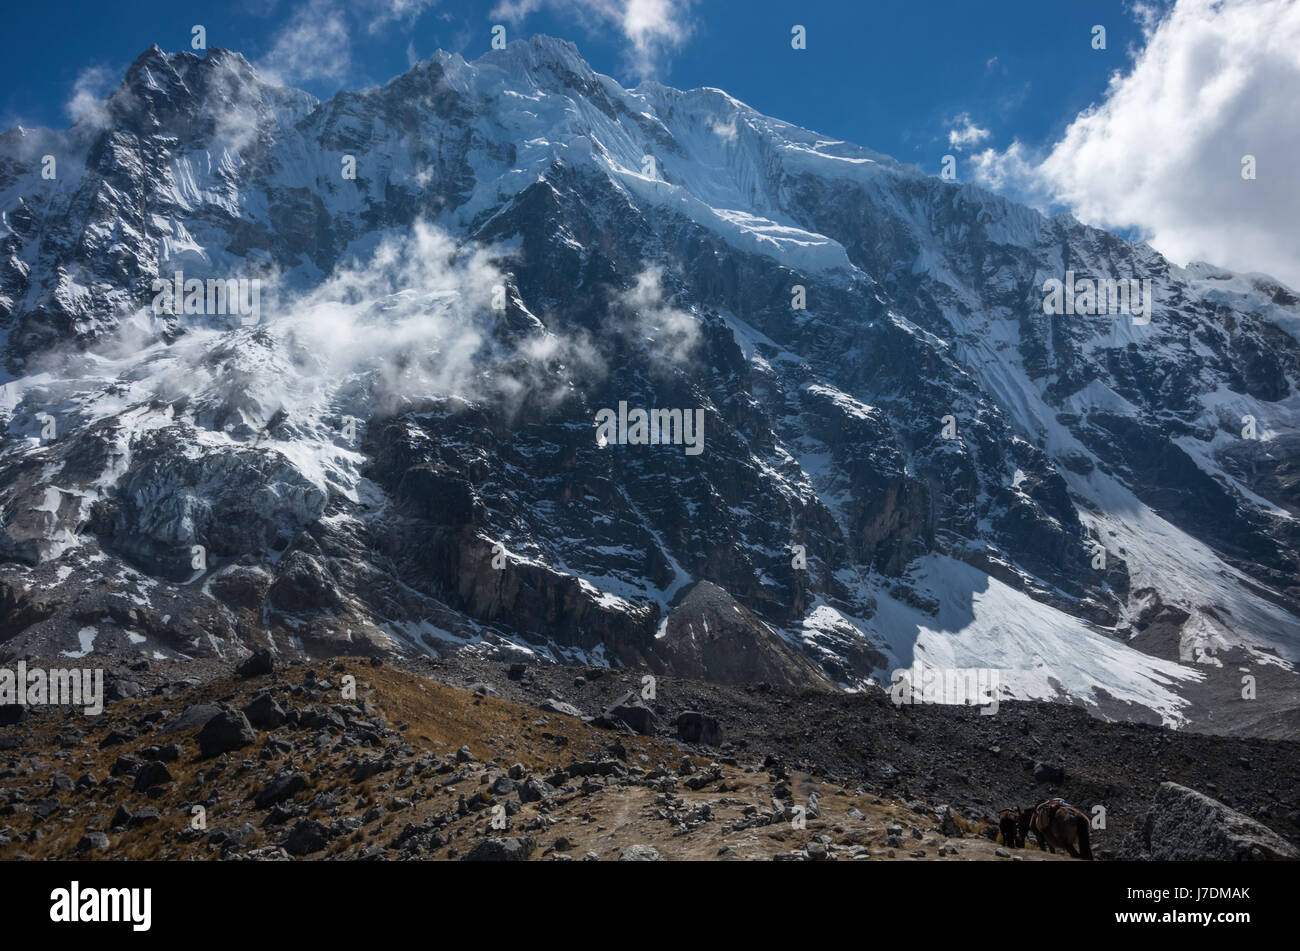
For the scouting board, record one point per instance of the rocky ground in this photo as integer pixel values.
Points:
(464, 758)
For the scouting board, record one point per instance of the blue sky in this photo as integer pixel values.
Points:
(1147, 137)
(890, 75)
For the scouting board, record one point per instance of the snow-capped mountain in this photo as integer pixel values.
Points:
(904, 459)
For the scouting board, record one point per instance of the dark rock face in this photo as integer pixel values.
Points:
(302, 584)
(1185, 825)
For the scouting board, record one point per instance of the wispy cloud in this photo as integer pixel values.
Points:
(642, 313)
(313, 45)
(964, 134)
(650, 29)
(315, 42)
(381, 13)
(89, 92)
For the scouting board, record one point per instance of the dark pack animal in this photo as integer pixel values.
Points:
(1011, 828)
(1058, 825)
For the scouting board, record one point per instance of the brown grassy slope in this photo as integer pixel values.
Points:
(435, 721)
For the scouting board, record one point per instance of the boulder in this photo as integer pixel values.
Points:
(305, 837)
(630, 710)
(117, 688)
(1047, 773)
(696, 727)
(259, 664)
(1185, 825)
(551, 705)
(639, 853)
(193, 718)
(228, 730)
(535, 790)
(93, 842)
(500, 849)
(283, 787)
(150, 774)
(264, 712)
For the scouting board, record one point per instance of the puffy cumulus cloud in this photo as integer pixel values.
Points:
(965, 133)
(651, 29)
(1162, 154)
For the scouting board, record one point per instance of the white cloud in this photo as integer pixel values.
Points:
(966, 133)
(1013, 170)
(650, 28)
(89, 92)
(383, 12)
(514, 11)
(641, 313)
(313, 44)
(1162, 153)
(724, 130)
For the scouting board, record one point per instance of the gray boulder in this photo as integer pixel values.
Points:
(639, 853)
(228, 730)
(283, 787)
(193, 718)
(93, 842)
(264, 712)
(551, 705)
(630, 710)
(259, 664)
(151, 774)
(307, 836)
(1185, 825)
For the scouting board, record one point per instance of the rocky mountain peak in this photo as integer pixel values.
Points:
(904, 453)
